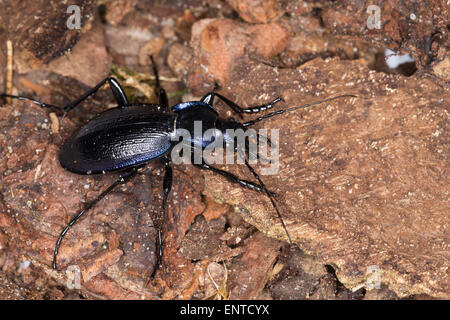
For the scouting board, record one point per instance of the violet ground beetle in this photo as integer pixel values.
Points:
(127, 137)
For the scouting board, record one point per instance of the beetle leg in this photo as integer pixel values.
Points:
(40, 104)
(231, 177)
(270, 196)
(209, 99)
(252, 155)
(167, 186)
(126, 176)
(163, 100)
(272, 114)
(116, 89)
(261, 187)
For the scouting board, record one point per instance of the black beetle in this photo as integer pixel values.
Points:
(129, 136)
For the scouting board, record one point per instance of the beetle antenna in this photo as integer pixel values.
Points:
(270, 115)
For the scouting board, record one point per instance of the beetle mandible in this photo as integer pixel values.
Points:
(130, 135)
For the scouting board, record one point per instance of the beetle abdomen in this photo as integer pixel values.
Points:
(116, 139)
